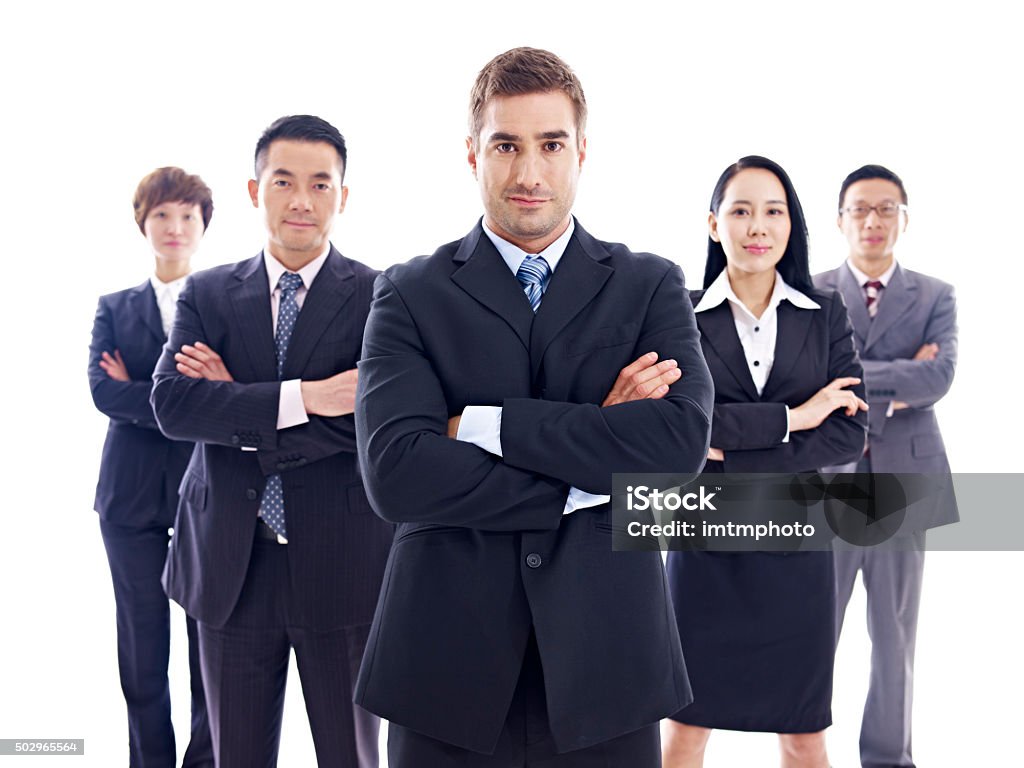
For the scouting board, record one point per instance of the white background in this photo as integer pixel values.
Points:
(95, 95)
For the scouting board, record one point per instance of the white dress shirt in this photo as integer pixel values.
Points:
(291, 411)
(167, 298)
(757, 334)
(861, 278)
(481, 424)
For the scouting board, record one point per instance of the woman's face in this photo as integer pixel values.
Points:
(174, 230)
(752, 223)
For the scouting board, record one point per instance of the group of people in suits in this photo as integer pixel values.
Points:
(404, 477)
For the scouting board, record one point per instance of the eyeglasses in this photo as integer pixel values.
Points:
(885, 210)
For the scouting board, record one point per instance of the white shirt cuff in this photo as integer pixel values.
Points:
(291, 411)
(581, 500)
(890, 410)
(786, 438)
(481, 426)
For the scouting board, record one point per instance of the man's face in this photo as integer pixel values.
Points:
(527, 161)
(300, 193)
(872, 238)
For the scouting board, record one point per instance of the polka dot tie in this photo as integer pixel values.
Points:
(534, 274)
(272, 504)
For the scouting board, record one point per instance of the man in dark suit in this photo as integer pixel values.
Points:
(275, 546)
(508, 632)
(904, 326)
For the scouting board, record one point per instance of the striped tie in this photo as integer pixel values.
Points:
(872, 291)
(534, 274)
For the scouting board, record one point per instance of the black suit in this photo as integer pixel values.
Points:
(136, 497)
(320, 588)
(757, 627)
(483, 556)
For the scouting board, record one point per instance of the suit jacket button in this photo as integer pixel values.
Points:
(252, 494)
(534, 560)
(235, 439)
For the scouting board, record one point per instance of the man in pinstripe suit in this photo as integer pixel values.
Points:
(275, 545)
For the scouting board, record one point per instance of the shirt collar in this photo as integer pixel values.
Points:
(308, 273)
(514, 255)
(721, 290)
(861, 278)
(160, 287)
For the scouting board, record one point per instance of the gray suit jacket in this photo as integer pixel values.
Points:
(914, 309)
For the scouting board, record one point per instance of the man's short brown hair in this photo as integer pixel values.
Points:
(171, 185)
(521, 71)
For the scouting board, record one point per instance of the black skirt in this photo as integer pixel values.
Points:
(758, 635)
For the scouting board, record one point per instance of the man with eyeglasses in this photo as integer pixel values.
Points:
(905, 330)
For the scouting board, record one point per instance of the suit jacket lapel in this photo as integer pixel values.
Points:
(143, 302)
(485, 276)
(897, 299)
(330, 291)
(856, 306)
(719, 329)
(577, 280)
(793, 325)
(249, 296)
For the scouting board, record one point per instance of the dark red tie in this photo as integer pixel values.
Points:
(872, 292)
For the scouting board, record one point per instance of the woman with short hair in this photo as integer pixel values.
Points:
(137, 492)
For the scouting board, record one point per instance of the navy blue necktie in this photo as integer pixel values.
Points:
(272, 505)
(534, 274)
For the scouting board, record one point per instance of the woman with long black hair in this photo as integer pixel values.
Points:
(757, 628)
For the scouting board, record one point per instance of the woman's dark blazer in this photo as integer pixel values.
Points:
(140, 469)
(813, 347)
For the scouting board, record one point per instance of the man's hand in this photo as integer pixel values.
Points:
(716, 454)
(644, 378)
(927, 352)
(335, 396)
(201, 362)
(114, 366)
(824, 401)
(453, 426)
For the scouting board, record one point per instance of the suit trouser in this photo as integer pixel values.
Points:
(892, 581)
(136, 557)
(245, 666)
(525, 740)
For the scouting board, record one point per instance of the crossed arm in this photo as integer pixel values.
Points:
(113, 391)
(195, 397)
(925, 378)
(414, 472)
(828, 428)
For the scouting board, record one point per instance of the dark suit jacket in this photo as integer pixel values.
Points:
(336, 546)
(140, 469)
(812, 347)
(915, 309)
(483, 552)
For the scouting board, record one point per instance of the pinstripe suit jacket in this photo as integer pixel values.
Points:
(337, 547)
